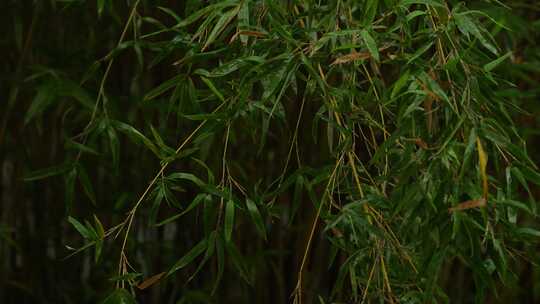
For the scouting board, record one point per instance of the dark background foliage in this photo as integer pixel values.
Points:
(361, 122)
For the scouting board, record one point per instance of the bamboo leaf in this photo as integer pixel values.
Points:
(222, 22)
(165, 86)
(100, 6)
(204, 11)
(213, 88)
(229, 220)
(99, 227)
(87, 185)
(198, 199)
(436, 3)
(135, 134)
(48, 172)
(493, 64)
(80, 227)
(482, 159)
(119, 296)
(186, 176)
(151, 281)
(189, 257)
(528, 232)
(256, 217)
(468, 27)
(44, 98)
(371, 44)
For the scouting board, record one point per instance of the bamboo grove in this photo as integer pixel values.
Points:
(258, 151)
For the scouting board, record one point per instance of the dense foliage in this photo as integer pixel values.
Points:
(247, 151)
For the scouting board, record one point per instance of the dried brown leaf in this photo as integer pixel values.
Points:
(151, 281)
(247, 33)
(419, 142)
(351, 57)
(468, 205)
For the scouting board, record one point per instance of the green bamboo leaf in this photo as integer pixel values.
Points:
(528, 232)
(297, 197)
(231, 66)
(204, 11)
(170, 13)
(69, 194)
(221, 24)
(79, 250)
(165, 86)
(516, 204)
(400, 83)
(238, 261)
(370, 11)
(99, 227)
(210, 249)
(256, 217)
(91, 231)
(69, 88)
(209, 173)
(119, 296)
(420, 51)
(521, 179)
(70, 144)
(410, 16)
(207, 116)
(213, 88)
(187, 176)
(80, 227)
(493, 64)
(468, 27)
(98, 249)
(114, 145)
(159, 195)
(135, 134)
(425, 2)
(243, 20)
(434, 86)
(220, 250)
(371, 44)
(87, 185)
(468, 151)
(48, 172)
(198, 199)
(100, 6)
(189, 257)
(229, 220)
(45, 97)
(167, 151)
(531, 175)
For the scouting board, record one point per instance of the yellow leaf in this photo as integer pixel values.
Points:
(483, 159)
